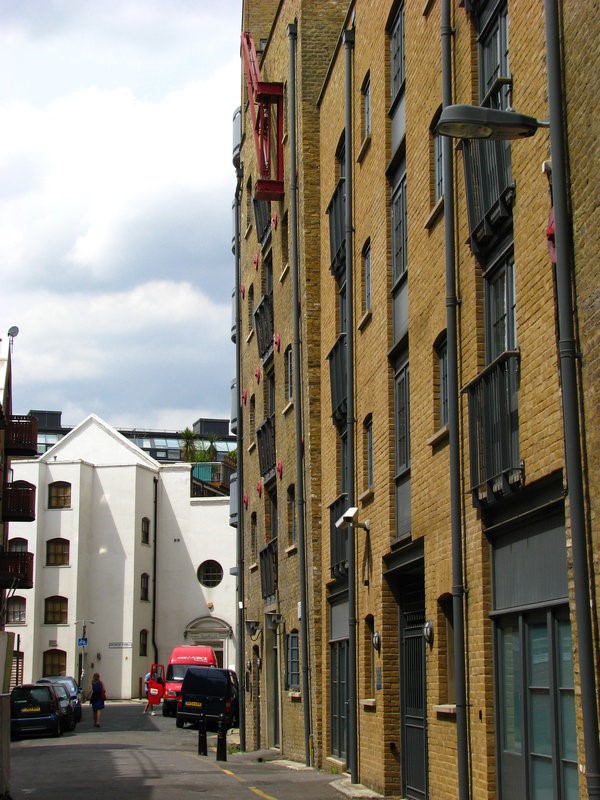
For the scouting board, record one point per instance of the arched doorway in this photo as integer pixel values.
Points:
(215, 633)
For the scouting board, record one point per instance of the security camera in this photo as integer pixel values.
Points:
(348, 517)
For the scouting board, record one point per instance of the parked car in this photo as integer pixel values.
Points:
(72, 688)
(210, 691)
(66, 706)
(35, 708)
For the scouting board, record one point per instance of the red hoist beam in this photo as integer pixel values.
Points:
(266, 106)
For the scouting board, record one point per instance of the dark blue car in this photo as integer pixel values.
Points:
(35, 708)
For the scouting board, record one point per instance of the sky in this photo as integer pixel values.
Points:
(116, 187)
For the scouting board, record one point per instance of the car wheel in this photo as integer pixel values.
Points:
(179, 721)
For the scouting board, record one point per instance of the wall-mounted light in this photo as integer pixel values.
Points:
(376, 641)
(428, 632)
(252, 627)
(249, 665)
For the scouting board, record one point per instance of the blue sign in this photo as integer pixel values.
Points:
(82, 642)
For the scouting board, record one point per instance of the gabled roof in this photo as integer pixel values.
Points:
(98, 443)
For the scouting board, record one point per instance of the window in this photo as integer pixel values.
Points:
(399, 226)
(253, 539)
(366, 104)
(143, 642)
(145, 586)
(145, 530)
(437, 161)
(366, 274)
(252, 420)
(402, 426)
(285, 244)
(250, 308)
(292, 661)
(397, 54)
(54, 662)
(59, 495)
(291, 515)
(501, 324)
(56, 611)
(447, 689)
(289, 374)
(17, 545)
(368, 452)
(441, 381)
(248, 203)
(369, 657)
(210, 573)
(494, 73)
(15, 610)
(271, 513)
(57, 552)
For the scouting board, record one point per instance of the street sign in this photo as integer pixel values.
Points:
(82, 642)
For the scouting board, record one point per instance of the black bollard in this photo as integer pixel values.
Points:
(202, 746)
(222, 738)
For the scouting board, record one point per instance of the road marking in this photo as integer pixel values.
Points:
(232, 774)
(261, 794)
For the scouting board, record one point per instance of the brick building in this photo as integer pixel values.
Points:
(442, 591)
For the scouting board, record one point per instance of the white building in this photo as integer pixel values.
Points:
(121, 547)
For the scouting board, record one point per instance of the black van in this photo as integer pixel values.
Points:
(210, 691)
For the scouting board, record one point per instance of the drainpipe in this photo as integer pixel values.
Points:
(293, 35)
(348, 39)
(154, 565)
(240, 633)
(462, 744)
(568, 356)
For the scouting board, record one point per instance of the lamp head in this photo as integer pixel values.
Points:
(479, 122)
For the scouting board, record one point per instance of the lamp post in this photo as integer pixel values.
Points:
(475, 122)
(349, 519)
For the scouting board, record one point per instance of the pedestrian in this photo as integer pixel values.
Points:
(98, 697)
(147, 692)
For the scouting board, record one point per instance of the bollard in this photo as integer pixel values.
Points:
(222, 738)
(202, 746)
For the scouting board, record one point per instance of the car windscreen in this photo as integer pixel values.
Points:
(206, 680)
(35, 694)
(176, 672)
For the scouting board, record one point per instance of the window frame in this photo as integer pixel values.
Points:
(292, 661)
(56, 610)
(366, 275)
(16, 610)
(59, 495)
(145, 530)
(145, 587)
(58, 552)
(397, 55)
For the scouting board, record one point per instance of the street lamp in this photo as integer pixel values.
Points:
(476, 122)
(349, 519)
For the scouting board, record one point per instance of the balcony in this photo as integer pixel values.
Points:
(263, 325)
(214, 475)
(338, 538)
(268, 569)
(21, 436)
(265, 440)
(490, 189)
(338, 371)
(16, 570)
(494, 430)
(18, 502)
(337, 230)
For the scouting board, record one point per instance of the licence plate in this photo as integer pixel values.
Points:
(31, 709)
(194, 704)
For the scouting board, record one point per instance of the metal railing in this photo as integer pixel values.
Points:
(265, 440)
(338, 370)
(337, 232)
(16, 570)
(494, 428)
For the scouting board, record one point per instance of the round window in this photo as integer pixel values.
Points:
(210, 573)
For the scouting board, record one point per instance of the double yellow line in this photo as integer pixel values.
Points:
(251, 788)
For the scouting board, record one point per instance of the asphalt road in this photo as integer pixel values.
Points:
(135, 756)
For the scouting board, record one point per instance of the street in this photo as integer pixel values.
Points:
(135, 756)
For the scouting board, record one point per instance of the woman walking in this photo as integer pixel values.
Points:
(98, 697)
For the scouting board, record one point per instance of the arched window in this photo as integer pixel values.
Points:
(57, 552)
(54, 662)
(59, 495)
(56, 611)
(144, 642)
(145, 587)
(145, 530)
(17, 545)
(15, 610)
